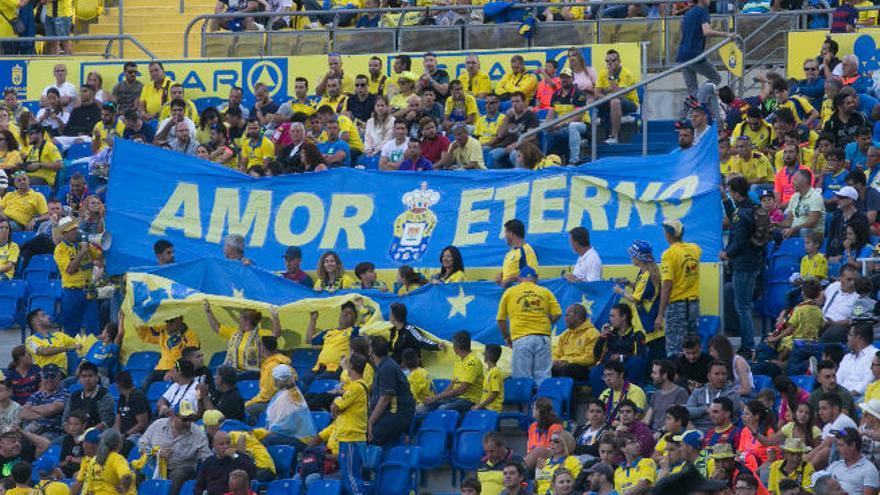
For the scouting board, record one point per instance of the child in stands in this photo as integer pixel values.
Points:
(418, 378)
(493, 381)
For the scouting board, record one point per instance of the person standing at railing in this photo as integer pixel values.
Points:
(695, 28)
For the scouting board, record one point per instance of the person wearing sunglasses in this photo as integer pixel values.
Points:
(812, 86)
(612, 78)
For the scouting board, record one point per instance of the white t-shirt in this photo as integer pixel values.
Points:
(66, 89)
(842, 421)
(177, 393)
(394, 152)
(50, 121)
(172, 132)
(588, 267)
(838, 305)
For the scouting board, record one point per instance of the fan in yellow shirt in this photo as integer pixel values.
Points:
(531, 309)
(750, 164)
(492, 397)
(517, 81)
(475, 82)
(419, 379)
(573, 349)
(520, 255)
(635, 472)
(350, 411)
(335, 343)
(106, 475)
(256, 149)
(467, 379)
(242, 441)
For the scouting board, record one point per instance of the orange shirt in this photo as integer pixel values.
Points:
(782, 183)
(541, 438)
(544, 94)
(755, 453)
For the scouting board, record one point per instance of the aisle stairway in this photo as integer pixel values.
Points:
(158, 24)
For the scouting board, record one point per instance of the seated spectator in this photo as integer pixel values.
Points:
(630, 422)
(834, 420)
(330, 275)
(792, 467)
(46, 346)
(93, 399)
(132, 411)
(487, 126)
(566, 99)
(183, 141)
(805, 210)
(753, 166)
(434, 146)
(182, 445)
(271, 358)
(618, 389)
(127, 92)
(207, 119)
(335, 342)
(236, 123)
(155, 94)
(393, 150)
(721, 428)
(167, 128)
(135, 127)
(413, 160)
(518, 120)
(42, 412)
(757, 420)
(846, 120)
(803, 111)
(857, 151)
(239, 483)
(461, 107)
(620, 342)
(667, 394)
(586, 435)
(409, 280)
(546, 424)
(783, 182)
(548, 83)
(470, 486)
(405, 335)
(292, 264)
(359, 106)
(474, 81)
(733, 473)
(52, 117)
(241, 443)
(380, 128)
(71, 443)
(674, 424)
(335, 151)
(9, 251)
(22, 374)
(644, 473)
(83, 118)
(855, 473)
(224, 395)
(176, 93)
(256, 148)
(183, 389)
(573, 350)
(612, 78)
(517, 80)
(492, 397)
(854, 372)
(845, 215)
(219, 150)
(264, 108)
(759, 132)
(243, 350)
(560, 458)
(868, 202)
(213, 472)
(365, 272)
(701, 398)
(418, 378)
(467, 379)
(234, 101)
(739, 371)
(837, 302)
(104, 353)
(400, 101)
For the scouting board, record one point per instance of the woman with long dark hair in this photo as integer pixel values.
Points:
(451, 267)
(209, 117)
(545, 425)
(758, 420)
(23, 374)
(409, 280)
(10, 158)
(792, 395)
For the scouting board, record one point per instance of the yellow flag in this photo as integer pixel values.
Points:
(732, 57)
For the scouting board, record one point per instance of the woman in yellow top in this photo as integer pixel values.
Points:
(243, 350)
(10, 158)
(409, 280)
(645, 293)
(207, 119)
(531, 158)
(331, 274)
(451, 267)
(109, 472)
(561, 448)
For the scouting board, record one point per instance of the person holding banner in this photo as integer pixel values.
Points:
(331, 274)
(520, 255)
(335, 343)
(532, 311)
(243, 349)
(679, 311)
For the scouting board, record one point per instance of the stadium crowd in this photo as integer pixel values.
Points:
(668, 410)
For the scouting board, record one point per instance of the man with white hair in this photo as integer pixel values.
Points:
(848, 73)
(233, 249)
(474, 81)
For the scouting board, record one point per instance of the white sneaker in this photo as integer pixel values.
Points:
(611, 140)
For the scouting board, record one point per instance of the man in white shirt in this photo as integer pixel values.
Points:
(392, 151)
(834, 420)
(856, 474)
(588, 267)
(837, 302)
(184, 389)
(67, 90)
(854, 372)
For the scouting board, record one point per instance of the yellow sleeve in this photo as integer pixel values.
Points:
(496, 381)
(350, 397)
(347, 281)
(60, 259)
(822, 269)
(665, 266)
(556, 350)
(267, 390)
(637, 395)
(504, 84)
(447, 109)
(227, 331)
(573, 465)
(267, 148)
(472, 373)
(530, 85)
(14, 252)
(502, 307)
(470, 105)
(484, 85)
(648, 470)
(42, 207)
(555, 309)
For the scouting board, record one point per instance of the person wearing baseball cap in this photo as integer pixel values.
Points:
(601, 478)
(679, 311)
(532, 310)
(846, 214)
(182, 445)
(792, 466)
(566, 99)
(76, 259)
(293, 271)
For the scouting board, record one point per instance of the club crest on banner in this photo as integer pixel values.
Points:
(413, 227)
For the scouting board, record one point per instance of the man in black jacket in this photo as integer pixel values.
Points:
(407, 336)
(84, 117)
(744, 258)
(213, 475)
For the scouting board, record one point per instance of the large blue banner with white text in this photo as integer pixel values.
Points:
(395, 218)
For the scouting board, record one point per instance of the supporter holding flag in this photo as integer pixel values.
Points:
(243, 351)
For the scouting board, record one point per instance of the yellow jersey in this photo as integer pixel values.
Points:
(306, 107)
(872, 392)
(45, 153)
(170, 346)
(336, 345)
(624, 79)
(529, 308)
(102, 130)
(760, 139)
(757, 169)
(628, 475)
(256, 153)
(54, 339)
(513, 261)
(153, 97)
(469, 370)
(24, 207)
(487, 128)
(328, 436)
(64, 254)
(803, 475)
(493, 381)
(680, 263)
(103, 480)
(9, 254)
(523, 82)
(477, 84)
(633, 393)
(257, 450)
(575, 345)
(459, 111)
(419, 384)
(337, 104)
(814, 266)
(267, 383)
(351, 423)
(189, 111)
(354, 137)
(544, 473)
(247, 349)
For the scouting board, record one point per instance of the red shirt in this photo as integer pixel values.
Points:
(782, 183)
(433, 148)
(545, 91)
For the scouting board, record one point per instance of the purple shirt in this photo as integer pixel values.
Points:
(644, 436)
(419, 166)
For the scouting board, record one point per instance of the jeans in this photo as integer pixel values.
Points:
(572, 134)
(707, 70)
(454, 404)
(532, 358)
(78, 311)
(351, 455)
(680, 318)
(501, 158)
(743, 292)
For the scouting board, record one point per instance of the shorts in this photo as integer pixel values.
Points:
(58, 26)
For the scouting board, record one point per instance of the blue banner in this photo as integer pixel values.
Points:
(395, 218)
(440, 309)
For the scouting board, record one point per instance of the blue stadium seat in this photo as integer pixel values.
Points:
(559, 390)
(442, 420)
(518, 392)
(708, 327)
(157, 390)
(75, 386)
(188, 487)
(235, 425)
(45, 295)
(284, 457)
(793, 246)
(113, 390)
(323, 386)
(155, 487)
(781, 268)
(481, 421)
(138, 377)
(321, 419)
(46, 191)
(284, 487)
(775, 298)
(433, 443)
(22, 237)
(217, 361)
(324, 487)
(78, 150)
(763, 382)
(440, 384)
(467, 451)
(67, 172)
(207, 101)
(304, 357)
(53, 452)
(397, 471)
(261, 420)
(143, 360)
(805, 382)
(248, 389)
(42, 263)
(11, 298)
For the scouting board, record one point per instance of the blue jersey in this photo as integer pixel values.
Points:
(104, 356)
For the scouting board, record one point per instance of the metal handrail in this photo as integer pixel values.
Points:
(620, 92)
(110, 38)
(396, 10)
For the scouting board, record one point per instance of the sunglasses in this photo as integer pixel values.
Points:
(811, 69)
(359, 85)
(610, 60)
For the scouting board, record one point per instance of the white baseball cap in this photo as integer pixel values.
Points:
(847, 192)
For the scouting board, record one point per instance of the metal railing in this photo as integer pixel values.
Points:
(619, 94)
(110, 38)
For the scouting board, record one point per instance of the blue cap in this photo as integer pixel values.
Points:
(641, 250)
(694, 438)
(43, 466)
(528, 272)
(93, 436)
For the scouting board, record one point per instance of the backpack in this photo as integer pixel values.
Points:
(761, 227)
